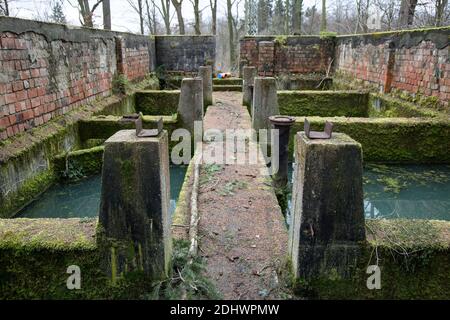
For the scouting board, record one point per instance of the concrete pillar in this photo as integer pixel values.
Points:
(327, 209)
(265, 102)
(249, 79)
(206, 74)
(190, 108)
(134, 212)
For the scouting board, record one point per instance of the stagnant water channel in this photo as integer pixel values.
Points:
(82, 199)
(390, 192)
(404, 192)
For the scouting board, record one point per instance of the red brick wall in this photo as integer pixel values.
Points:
(413, 62)
(42, 78)
(297, 55)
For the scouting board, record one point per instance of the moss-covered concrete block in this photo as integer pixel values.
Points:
(328, 212)
(324, 103)
(157, 102)
(413, 257)
(391, 140)
(134, 211)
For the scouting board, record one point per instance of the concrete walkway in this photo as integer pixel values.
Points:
(242, 231)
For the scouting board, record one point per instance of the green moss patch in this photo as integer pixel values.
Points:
(391, 140)
(79, 164)
(387, 106)
(225, 88)
(103, 127)
(228, 82)
(323, 103)
(30, 189)
(413, 257)
(157, 102)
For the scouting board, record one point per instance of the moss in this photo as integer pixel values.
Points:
(157, 102)
(392, 140)
(392, 107)
(413, 256)
(228, 82)
(35, 255)
(323, 103)
(224, 88)
(79, 164)
(29, 191)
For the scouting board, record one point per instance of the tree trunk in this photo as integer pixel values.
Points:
(441, 5)
(287, 17)
(407, 11)
(213, 4)
(197, 17)
(178, 8)
(106, 14)
(231, 33)
(141, 15)
(297, 17)
(323, 25)
(165, 4)
(86, 13)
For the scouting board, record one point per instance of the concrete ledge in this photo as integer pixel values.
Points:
(413, 257)
(157, 102)
(392, 140)
(324, 103)
(55, 234)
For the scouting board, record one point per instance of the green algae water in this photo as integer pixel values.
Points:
(82, 199)
(404, 192)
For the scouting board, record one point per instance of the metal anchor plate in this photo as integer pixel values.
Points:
(327, 134)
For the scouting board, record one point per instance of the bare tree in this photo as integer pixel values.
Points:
(4, 7)
(213, 6)
(164, 10)
(178, 9)
(106, 14)
(151, 16)
(440, 8)
(196, 5)
(297, 16)
(231, 32)
(407, 11)
(139, 8)
(86, 12)
(323, 25)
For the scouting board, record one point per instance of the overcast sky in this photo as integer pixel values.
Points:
(124, 18)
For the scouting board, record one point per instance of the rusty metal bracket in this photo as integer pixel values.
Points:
(146, 133)
(327, 134)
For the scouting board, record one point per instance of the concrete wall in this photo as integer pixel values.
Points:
(185, 53)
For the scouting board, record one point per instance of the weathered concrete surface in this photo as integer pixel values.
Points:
(249, 79)
(265, 102)
(328, 213)
(206, 74)
(134, 210)
(191, 107)
(242, 232)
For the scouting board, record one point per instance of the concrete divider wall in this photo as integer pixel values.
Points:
(391, 140)
(185, 53)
